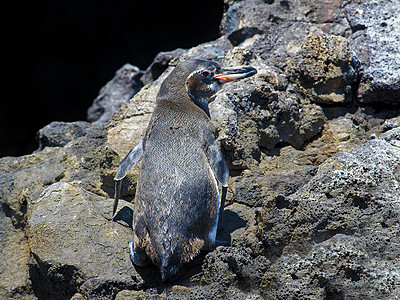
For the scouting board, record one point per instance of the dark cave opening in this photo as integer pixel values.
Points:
(59, 54)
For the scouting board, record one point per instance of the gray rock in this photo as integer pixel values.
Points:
(338, 268)
(58, 134)
(253, 115)
(83, 252)
(15, 281)
(375, 39)
(120, 89)
(346, 208)
(160, 63)
(214, 50)
(234, 268)
(243, 19)
(325, 68)
(280, 27)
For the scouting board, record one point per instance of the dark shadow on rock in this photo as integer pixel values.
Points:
(54, 282)
(152, 278)
(230, 222)
(125, 215)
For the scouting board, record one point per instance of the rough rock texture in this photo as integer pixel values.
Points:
(313, 201)
(337, 234)
(14, 256)
(325, 68)
(375, 39)
(71, 264)
(58, 134)
(119, 90)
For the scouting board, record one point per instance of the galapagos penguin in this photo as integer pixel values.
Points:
(177, 203)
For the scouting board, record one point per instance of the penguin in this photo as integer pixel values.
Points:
(177, 204)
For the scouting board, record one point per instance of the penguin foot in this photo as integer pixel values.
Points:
(138, 256)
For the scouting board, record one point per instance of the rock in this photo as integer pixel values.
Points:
(375, 39)
(312, 209)
(239, 229)
(392, 136)
(15, 282)
(234, 268)
(340, 133)
(58, 134)
(347, 204)
(22, 181)
(120, 89)
(78, 253)
(244, 19)
(325, 68)
(214, 50)
(251, 116)
(321, 64)
(372, 28)
(159, 65)
(24, 178)
(335, 268)
(127, 295)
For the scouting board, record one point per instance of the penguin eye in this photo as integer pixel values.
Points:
(205, 73)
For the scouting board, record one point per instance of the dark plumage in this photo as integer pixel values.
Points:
(177, 201)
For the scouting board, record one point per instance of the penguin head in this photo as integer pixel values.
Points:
(201, 85)
(208, 78)
(197, 80)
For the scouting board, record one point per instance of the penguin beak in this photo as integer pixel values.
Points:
(232, 74)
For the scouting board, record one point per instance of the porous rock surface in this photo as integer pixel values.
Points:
(313, 146)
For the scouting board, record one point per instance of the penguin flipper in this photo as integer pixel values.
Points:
(117, 193)
(220, 170)
(222, 205)
(130, 160)
(218, 164)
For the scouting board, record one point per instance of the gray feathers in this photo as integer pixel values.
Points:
(177, 201)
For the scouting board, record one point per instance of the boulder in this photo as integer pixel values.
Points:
(15, 282)
(332, 236)
(58, 134)
(160, 63)
(262, 113)
(117, 91)
(84, 251)
(375, 38)
(325, 68)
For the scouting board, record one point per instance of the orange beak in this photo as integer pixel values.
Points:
(232, 74)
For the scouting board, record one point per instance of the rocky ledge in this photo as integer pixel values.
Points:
(312, 142)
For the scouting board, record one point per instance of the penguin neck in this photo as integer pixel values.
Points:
(202, 103)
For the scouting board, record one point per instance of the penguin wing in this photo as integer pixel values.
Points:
(131, 160)
(220, 170)
(217, 164)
